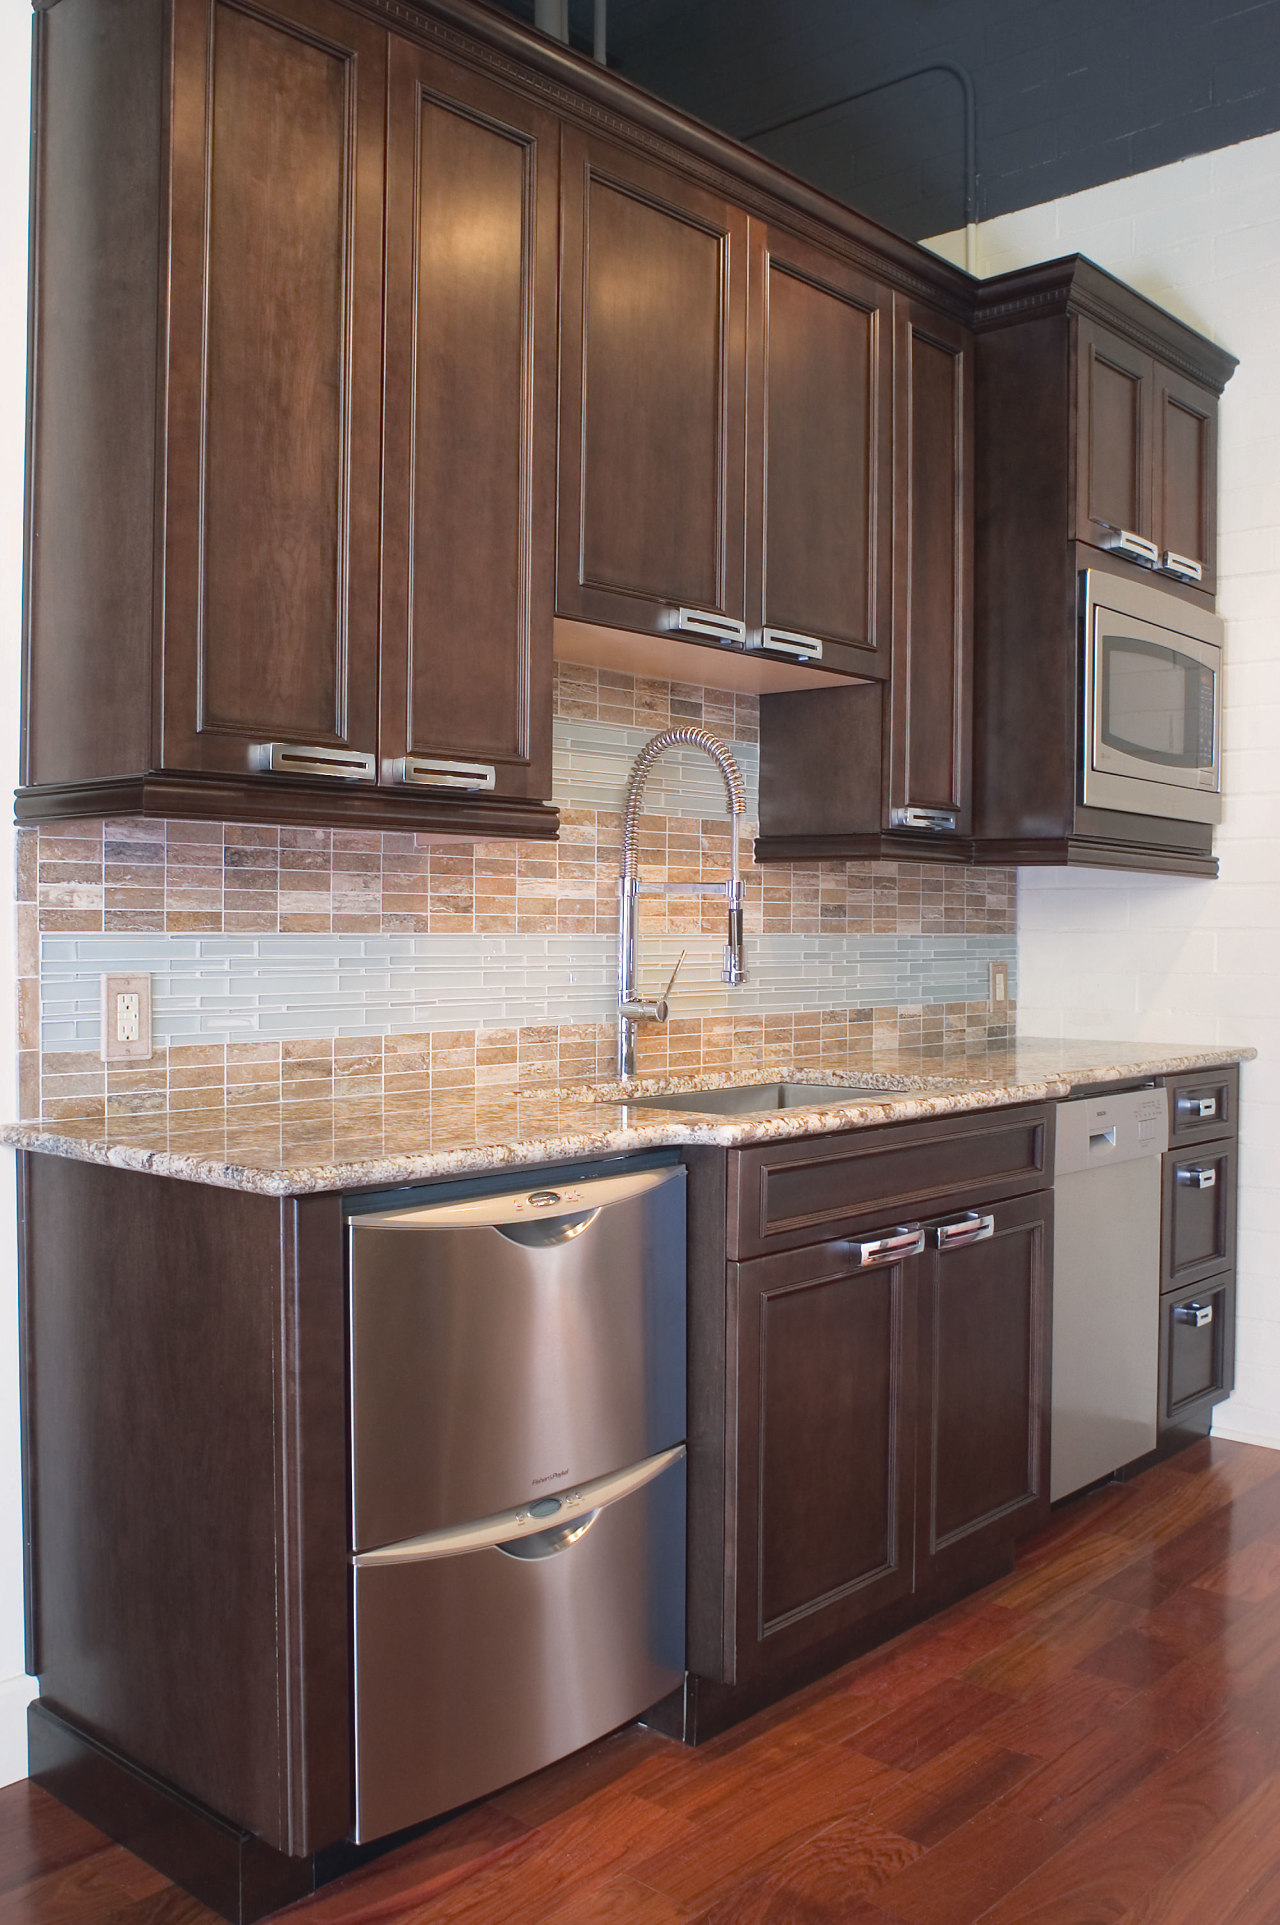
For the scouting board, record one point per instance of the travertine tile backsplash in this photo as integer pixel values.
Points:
(328, 963)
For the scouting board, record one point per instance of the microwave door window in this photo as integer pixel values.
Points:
(1155, 703)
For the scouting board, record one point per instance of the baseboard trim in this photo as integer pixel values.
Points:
(228, 1869)
(1238, 1434)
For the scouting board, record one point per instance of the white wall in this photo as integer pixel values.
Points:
(1109, 956)
(15, 83)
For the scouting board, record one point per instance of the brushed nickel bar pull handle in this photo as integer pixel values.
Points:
(1197, 1314)
(436, 772)
(1198, 1106)
(786, 641)
(972, 1227)
(906, 1241)
(1199, 1176)
(1182, 566)
(1123, 541)
(717, 628)
(935, 820)
(533, 1518)
(295, 758)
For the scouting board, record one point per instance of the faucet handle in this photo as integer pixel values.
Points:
(672, 981)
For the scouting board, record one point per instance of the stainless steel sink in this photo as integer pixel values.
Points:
(754, 1099)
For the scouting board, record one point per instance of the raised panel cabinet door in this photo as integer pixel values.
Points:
(820, 453)
(931, 706)
(1186, 471)
(273, 428)
(983, 1383)
(824, 1450)
(652, 393)
(1116, 426)
(469, 514)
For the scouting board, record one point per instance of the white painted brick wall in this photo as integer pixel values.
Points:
(1110, 956)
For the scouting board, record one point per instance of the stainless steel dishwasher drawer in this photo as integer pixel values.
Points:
(504, 1346)
(475, 1667)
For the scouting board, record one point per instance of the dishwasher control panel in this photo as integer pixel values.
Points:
(1098, 1130)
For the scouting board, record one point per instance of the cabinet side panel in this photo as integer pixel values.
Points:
(95, 238)
(153, 1330)
(314, 1466)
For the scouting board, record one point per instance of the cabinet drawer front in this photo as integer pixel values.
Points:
(787, 1195)
(1197, 1350)
(1198, 1218)
(1203, 1106)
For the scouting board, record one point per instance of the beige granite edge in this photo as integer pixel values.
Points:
(583, 1133)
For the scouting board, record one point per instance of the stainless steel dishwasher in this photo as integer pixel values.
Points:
(1106, 1284)
(517, 1481)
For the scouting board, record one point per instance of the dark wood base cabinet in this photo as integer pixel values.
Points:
(879, 1374)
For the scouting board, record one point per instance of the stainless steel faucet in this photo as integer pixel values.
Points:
(632, 1011)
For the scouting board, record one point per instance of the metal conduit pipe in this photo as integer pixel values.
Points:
(552, 17)
(965, 81)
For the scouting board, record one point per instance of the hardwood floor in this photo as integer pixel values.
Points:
(1094, 1739)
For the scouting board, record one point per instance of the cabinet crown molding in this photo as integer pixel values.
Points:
(1077, 285)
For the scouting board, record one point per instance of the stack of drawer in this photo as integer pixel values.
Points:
(1198, 1255)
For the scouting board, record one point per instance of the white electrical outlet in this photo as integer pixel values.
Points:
(126, 1018)
(999, 984)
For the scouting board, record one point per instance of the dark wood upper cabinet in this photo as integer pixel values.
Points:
(871, 770)
(652, 393)
(1097, 413)
(819, 454)
(273, 457)
(469, 516)
(1147, 454)
(290, 534)
(1117, 421)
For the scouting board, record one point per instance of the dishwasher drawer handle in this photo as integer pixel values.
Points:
(1196, 1314)
(961, 1231)
(906, 1241)
(1198, 1176)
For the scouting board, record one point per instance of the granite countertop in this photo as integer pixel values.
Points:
(353, 1143)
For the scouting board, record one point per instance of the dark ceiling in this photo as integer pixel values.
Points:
(1066, 93)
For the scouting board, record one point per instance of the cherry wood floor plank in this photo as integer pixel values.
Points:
(1036, 1657)
(1099, 1876)
(1047, 1722)
(37, 1834)
(459, 1849)
(823, 1881)
(1240, 1856)
(929, 1724)
(950, 1789)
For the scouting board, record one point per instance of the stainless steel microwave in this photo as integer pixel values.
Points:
(1152, 701)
